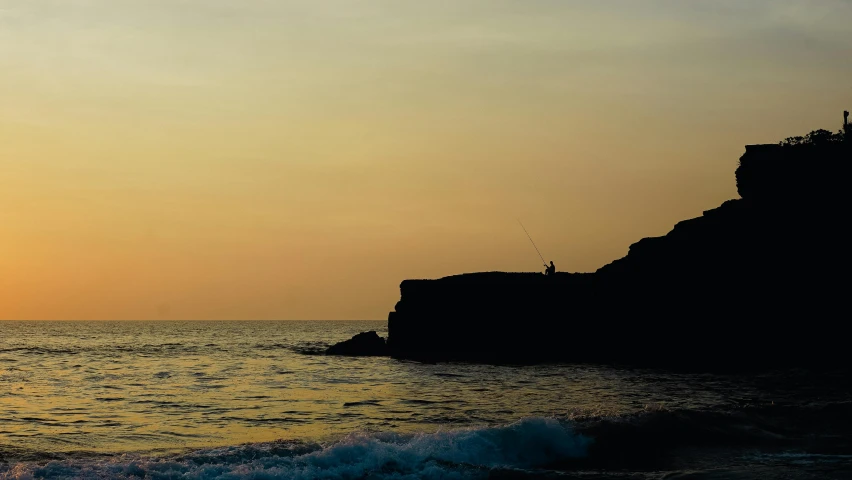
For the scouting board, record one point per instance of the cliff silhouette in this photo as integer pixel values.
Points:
(757, 282)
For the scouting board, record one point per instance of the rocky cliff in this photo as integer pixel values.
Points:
(759, 280)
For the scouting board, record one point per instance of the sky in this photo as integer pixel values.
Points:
(261, 159)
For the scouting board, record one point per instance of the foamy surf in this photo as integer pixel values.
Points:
(453, 454)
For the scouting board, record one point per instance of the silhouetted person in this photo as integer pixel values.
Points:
(551, 269)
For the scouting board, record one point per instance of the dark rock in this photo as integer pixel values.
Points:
(755, 282)
(365, 344)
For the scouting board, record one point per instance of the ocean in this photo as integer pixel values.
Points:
(258, 400)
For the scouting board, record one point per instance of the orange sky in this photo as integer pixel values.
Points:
(247, 159)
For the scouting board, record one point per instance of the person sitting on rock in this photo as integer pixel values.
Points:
(551, 269)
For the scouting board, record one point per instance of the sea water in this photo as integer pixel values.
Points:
(233, 400)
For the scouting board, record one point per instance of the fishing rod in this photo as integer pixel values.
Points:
(533, 243)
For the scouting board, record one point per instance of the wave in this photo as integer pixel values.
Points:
(645, 441)
(460, 454)
(113, 350)
(310, 348)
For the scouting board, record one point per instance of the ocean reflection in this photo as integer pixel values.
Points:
(144, 386)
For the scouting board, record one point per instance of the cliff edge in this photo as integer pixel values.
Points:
(757, 281)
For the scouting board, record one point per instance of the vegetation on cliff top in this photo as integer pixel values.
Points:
(822, 136)
(816, 137)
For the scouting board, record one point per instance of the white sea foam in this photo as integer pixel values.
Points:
(462, 454)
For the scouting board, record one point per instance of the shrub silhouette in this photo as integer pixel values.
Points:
(816, 137)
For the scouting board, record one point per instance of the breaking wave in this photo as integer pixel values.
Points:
(529, 448)
(460, 453)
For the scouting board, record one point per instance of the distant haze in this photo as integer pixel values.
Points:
(255, 159)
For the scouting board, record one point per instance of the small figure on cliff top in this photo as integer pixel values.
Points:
(551, 269)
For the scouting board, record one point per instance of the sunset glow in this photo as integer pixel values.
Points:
(249, 159)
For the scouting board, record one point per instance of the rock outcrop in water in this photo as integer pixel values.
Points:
(757, 281)
(365, 344)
